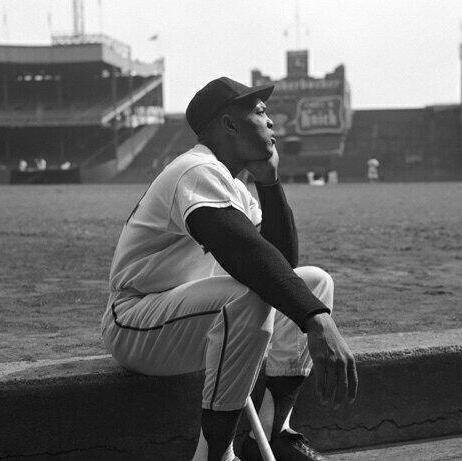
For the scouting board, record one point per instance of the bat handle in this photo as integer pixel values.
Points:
(260, 436)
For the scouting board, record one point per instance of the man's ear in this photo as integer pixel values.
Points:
(229, 125)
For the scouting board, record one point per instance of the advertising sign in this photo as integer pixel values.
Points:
(322, 114)
(326, 86)
(307, 115)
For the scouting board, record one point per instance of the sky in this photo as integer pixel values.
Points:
(397, 53)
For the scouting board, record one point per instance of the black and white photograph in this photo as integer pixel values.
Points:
(231, 230)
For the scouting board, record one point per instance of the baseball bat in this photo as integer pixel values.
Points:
(260, 437)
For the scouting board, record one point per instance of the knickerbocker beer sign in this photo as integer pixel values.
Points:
(322, 114)
(302, 105)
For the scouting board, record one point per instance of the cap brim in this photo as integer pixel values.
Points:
(262, 92)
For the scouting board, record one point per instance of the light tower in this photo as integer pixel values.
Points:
(297, 59)
(79, 17)
(460, 57)
(297, 25)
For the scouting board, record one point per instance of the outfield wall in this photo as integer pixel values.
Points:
(87, 408)
(4, 176)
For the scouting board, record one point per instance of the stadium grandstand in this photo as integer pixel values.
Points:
(319, 132)
(173, 138)
(83, 110)
(312, 117)
(78, 110)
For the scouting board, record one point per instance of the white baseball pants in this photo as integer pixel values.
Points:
(216, 324)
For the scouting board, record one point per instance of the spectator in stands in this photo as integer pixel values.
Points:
(66, 165)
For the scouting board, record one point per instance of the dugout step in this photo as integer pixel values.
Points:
(90, 408)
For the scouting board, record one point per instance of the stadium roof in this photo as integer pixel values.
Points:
(89, 49)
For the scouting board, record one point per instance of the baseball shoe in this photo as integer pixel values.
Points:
(286, 447)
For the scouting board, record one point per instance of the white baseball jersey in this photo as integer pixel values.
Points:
(155, 251)
(214, 323)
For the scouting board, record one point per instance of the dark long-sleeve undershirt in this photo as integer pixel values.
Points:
(255, 262)
(278, 224)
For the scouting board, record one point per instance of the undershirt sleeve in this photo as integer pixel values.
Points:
(244, 254)
(278, 225)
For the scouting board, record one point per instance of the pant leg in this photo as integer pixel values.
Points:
(288, 354)
(215, 323)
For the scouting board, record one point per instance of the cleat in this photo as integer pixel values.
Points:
(287, 446)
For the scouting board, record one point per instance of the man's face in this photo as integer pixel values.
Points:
(255, 137)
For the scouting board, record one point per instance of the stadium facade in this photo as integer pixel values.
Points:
(312, 116)
(85, 104)
(78, 110)
(318, 131)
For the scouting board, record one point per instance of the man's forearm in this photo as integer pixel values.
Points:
(278, 224)
(254, 262)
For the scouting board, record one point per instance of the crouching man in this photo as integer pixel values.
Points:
(171, 312)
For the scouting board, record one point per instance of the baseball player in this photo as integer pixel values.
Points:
(203, 277)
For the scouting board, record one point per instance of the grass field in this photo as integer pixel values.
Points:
(394, 250)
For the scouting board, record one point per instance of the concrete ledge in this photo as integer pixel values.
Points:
(89, 408)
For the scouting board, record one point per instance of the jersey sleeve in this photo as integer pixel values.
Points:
(252, 205)
(203, 186)
(255, 210)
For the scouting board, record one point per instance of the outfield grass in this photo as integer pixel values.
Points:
(394, 250)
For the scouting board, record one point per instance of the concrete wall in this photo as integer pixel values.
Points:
(421, 144)
(99, 173)
(89, 408)
(4, 177)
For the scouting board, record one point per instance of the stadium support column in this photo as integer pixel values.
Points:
(460, 108)
(130, 95)
(62, 152)
(7, 145)
(5, 91)
(460, 83)
(59, 92)
(114, 104)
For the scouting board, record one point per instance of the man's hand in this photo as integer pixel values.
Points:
(333, 363)
(265, 171)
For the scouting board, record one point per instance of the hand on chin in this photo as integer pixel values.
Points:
(264, 170)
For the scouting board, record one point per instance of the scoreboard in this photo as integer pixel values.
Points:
(303, 105)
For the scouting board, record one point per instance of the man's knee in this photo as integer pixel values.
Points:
(318, 281)
(315, 276)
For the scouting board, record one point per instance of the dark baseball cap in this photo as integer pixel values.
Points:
(216, 95)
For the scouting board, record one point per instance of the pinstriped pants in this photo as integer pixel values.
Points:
(216, 324)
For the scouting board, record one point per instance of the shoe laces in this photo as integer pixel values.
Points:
(301, 443)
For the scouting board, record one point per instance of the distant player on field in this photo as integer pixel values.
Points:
(205, 278)
(373, 170)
